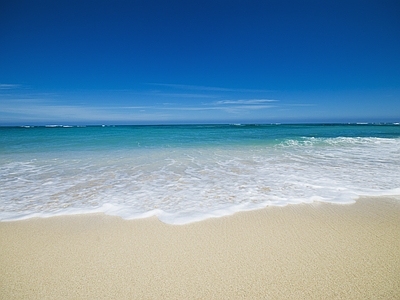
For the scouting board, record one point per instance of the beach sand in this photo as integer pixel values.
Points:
(305, 251)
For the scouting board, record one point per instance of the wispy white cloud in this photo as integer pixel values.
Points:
(28, 110)
(159, 102)
(229, 109)
(8, 86)
(27, 106)
(246, 101)
(206, 88)
(38, 111)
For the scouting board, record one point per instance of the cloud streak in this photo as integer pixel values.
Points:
(246, 101)
(8, 86)
(21, 106)
(206, 88)
(38, 110)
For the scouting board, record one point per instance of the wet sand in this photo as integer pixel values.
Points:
(307, 251)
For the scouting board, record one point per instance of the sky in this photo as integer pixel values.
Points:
(220, 61)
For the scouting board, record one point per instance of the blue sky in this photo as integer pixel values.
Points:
(162, 62)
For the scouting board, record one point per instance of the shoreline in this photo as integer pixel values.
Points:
(301, 251)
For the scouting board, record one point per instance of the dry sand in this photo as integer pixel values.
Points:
(310, 251)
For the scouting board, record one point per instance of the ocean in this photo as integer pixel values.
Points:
(188, 173)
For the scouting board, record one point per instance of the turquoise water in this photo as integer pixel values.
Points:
(188, 173)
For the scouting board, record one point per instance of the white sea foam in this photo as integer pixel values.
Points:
(183, 185)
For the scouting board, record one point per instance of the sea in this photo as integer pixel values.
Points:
(188, 173)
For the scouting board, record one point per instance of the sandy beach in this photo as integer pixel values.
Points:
(305, 251)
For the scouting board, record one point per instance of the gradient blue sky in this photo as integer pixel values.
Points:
(161, 62)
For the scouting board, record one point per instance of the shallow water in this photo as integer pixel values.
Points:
(189, 173)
